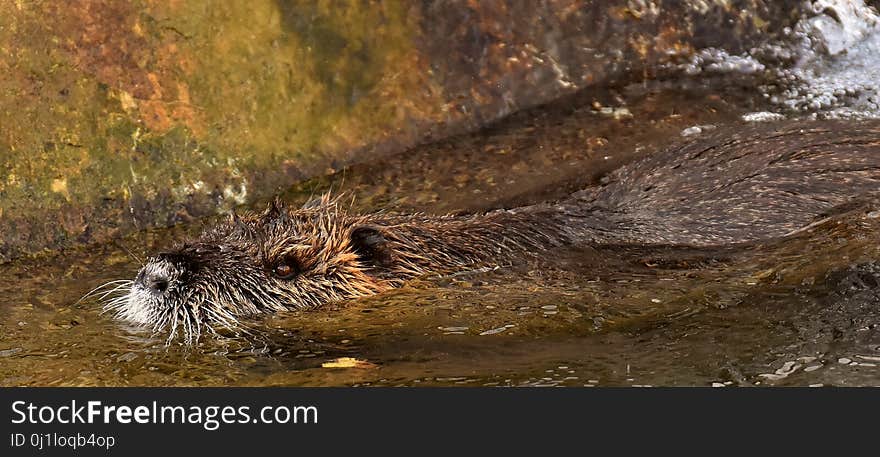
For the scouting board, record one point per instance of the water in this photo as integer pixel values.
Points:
(802, 311)
(828, 65)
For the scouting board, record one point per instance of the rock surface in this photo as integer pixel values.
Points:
(116, 116)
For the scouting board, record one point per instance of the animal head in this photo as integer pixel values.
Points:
(255, 263)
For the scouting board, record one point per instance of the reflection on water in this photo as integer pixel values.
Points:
(801, 311)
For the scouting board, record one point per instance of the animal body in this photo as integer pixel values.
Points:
(758, 183)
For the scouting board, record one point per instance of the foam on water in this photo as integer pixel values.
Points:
(828, 65)
(839, 66)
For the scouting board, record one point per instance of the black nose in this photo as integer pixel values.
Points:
(155, 282)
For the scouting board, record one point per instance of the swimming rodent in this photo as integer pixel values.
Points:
(761, 182)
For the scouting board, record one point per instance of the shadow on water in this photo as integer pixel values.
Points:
(801, 311)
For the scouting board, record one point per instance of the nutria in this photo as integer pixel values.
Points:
(756, 184)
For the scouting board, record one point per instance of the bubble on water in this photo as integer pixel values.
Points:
(828, 64)
(762, 116)
(838, 67)
(712, 60)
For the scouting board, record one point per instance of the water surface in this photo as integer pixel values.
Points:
(800, 311)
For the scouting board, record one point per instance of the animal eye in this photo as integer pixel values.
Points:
(285, 269)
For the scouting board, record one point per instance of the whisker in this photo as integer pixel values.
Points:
(173, 332)
(97, 289)
(115, 304)
(131, 254)
(225, 318)
(105, 294)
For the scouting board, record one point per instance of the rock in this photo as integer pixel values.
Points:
(165, 87)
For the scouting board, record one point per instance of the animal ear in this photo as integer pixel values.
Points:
(370, 245)
(274, 209)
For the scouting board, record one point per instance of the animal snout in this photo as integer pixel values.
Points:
(156, 277)
(155, 282)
